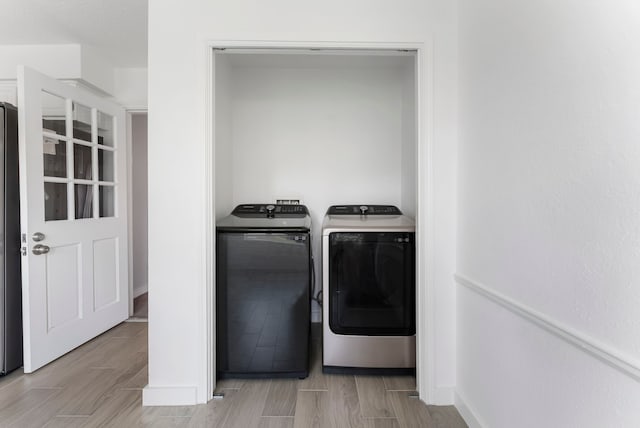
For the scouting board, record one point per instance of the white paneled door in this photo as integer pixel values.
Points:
(73, 215)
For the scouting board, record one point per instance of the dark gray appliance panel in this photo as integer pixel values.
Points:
(263, 304)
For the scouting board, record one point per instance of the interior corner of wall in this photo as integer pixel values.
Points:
(466, 411)
(130, 87)
(140, 289)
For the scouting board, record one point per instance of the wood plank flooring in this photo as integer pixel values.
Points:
(100, 384)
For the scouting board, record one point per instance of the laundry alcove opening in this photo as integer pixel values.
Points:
(325, 127)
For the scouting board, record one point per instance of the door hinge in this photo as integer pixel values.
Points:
(23, 250)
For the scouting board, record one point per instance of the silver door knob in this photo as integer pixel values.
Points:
(40, 249)
(38, 236)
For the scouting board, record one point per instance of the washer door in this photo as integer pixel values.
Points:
(372, 283)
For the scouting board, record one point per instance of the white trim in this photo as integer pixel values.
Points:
(144, 288)
(466, 412)
(137, 110)
(425, 290)
(169, 396)
(132, 108)
(256, 46)
(208, 383)
(129, 131)
(425, 336)
(605, 353)
(135, 319)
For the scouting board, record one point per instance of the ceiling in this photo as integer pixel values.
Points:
(116, 29)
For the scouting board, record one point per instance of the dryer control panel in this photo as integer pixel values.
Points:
(363, 210)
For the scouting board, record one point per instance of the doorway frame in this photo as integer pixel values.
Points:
(129, 124)
(425, 243)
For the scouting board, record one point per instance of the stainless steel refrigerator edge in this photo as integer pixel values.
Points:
(10, 279)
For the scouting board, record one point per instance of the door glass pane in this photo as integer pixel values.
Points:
(55, 157)
(53, 114)
(82, 161)
(81, 122)
(55, 201)
(84, 200)
(107, 201)
(105, 129)
(105, 165)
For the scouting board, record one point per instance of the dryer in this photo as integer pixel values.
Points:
(368, 286)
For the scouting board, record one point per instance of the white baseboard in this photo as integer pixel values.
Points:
(466, 412)
(169, 396)
(139, 290)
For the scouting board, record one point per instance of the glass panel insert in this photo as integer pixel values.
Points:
(107, 201)
(84, 200)
(55, 201)
(81, 122)
(53, 114)
(55, 157)
(82, 162)
(105, 129)
(105, 165)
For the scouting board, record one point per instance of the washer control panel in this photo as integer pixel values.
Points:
(270, 210)
(363, 210)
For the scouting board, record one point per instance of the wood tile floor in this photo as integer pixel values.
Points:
(100, 383)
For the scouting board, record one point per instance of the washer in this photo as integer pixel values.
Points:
(368, 286)
(263, 280)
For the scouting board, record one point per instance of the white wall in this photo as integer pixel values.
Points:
(409, 148)
(325, 135)
(130, 88)
(223, 137)
(9, 92)
(75, 63)
(139, 198)
(178, 130)
(549, 212)
(57, 61)
(66, 62)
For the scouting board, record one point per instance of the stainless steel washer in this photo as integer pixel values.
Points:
(368, 283)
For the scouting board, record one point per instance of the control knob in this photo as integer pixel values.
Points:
(270, 209)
